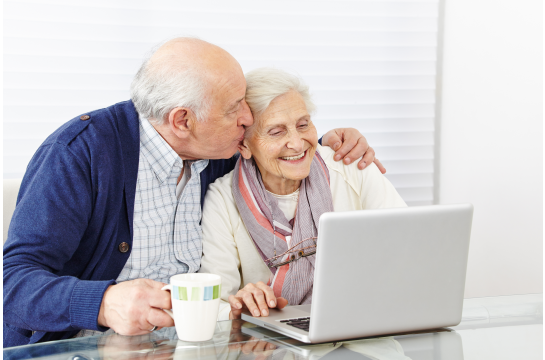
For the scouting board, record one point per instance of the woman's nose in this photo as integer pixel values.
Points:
(295, 141)
(245, 116)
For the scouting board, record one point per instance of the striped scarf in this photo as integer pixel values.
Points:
(259, 211)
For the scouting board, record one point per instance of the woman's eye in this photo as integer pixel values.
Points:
(275, 132)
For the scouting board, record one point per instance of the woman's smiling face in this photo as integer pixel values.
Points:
(282, 142)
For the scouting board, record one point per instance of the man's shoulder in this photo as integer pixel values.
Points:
(99, 125)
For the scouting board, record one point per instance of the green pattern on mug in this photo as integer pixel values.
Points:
(195, 294)
(216, 292)
(209, 293)
(182, 293)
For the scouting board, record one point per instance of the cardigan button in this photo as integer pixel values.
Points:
(85, 117)
(123, 247)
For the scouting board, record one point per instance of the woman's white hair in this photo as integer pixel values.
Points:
(263, 85)
(161, 86)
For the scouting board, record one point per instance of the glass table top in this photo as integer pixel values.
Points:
(507, 327)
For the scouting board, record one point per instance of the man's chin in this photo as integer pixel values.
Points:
(226, 154)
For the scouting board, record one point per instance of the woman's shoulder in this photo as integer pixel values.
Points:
(347, 171)
(325, 152)
(221, 188)
(225, 181)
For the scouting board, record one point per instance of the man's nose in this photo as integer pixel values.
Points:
(245, 116)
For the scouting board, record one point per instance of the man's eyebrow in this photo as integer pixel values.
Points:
(235, 104)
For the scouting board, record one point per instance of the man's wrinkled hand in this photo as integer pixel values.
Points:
(349, 144)
(135, 307)
(257, 298)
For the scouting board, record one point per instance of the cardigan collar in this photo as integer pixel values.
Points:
(128, 123)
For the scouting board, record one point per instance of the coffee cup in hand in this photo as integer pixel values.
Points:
(195, 305)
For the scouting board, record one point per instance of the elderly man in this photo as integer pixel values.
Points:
(110, 205)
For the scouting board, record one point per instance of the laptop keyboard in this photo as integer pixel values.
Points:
(300, 323)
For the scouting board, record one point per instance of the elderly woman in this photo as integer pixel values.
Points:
(273, 199)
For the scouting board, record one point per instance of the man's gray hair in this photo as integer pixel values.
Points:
(263, 85)
(159, 87)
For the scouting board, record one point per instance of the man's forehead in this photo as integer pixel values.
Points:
(230, 87)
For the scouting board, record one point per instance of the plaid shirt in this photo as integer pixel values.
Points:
(167, 234)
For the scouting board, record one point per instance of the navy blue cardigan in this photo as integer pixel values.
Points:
(74, 208)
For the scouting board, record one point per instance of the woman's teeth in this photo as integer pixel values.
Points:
(293, 157)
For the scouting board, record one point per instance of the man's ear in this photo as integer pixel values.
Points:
(181, 121)
(244, 149)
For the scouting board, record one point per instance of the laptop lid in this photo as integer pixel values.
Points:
(389, 270)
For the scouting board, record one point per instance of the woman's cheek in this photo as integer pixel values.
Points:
(272, 155)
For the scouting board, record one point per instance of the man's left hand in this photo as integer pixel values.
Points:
(349, 144)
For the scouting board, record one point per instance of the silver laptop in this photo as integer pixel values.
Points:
(382, 272)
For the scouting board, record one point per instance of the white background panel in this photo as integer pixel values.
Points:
(370, 65)
(492, 140)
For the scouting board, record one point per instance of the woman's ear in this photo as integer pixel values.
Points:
(244, 150)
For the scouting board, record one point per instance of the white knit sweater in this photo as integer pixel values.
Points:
(228, 249)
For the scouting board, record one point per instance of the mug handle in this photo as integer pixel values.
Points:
(169, 288)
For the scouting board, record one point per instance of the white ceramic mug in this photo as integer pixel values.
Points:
(195, 305)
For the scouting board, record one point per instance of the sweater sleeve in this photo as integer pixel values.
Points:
(53, 210)
(220, 253)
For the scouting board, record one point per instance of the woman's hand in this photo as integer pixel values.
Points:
(349, 144)
(257, 298)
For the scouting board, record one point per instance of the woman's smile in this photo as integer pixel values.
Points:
(294, 159)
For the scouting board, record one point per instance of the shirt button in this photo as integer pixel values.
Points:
(123, 247)
(85, 117)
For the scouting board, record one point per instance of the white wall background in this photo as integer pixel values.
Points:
(369, 64)
(492, 138)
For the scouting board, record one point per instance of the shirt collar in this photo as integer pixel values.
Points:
(157, 151)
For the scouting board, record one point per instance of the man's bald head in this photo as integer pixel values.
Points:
(183, 53)
(181, 73)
